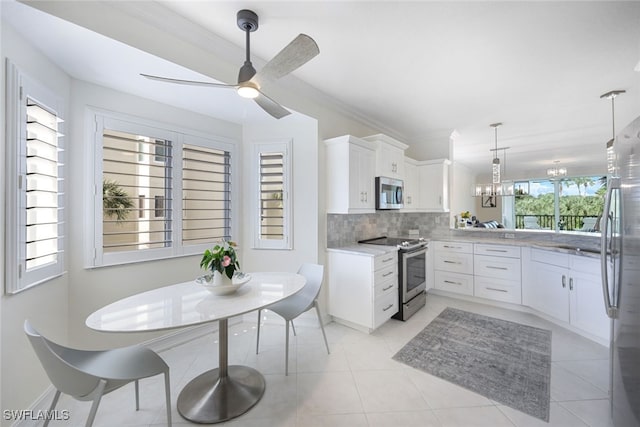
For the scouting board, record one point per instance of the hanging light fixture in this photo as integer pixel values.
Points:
(611, 156)
(498, 187)
(556, 171)
(495, 165)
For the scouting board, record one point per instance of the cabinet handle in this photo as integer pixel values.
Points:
(571, 283)
(452, 262)
(362, 196)
(364, 193)
(564, 281)
(388, 259)
(497, 290)
(453, 283)
(387, 307)
(452, 247)
(496, 268)
(387, 288)
(495, 250)
(388, 274)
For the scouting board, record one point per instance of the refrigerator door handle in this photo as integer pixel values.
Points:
(613, 185)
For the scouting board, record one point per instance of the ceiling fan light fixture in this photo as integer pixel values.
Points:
(248, 91)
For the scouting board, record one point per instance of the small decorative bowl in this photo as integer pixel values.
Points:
(238, 280)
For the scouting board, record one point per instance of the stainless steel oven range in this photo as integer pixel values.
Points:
(412, 272)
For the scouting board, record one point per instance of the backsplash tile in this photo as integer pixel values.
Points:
(343, 230)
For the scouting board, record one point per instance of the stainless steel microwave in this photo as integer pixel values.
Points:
(388, 193)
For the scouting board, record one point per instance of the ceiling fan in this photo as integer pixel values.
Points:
(297, 53)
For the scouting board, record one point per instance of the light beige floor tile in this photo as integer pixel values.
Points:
(596, 372)
(388, 391)
(314, 358)
(558, 417)
(595, 413)
(332, 420)
(371, 354)
(403, 419)
(482, 416)
(567, 386)
(439, 393)
(327, 393)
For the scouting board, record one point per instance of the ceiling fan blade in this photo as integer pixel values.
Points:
(297, 53)
(187, 82)
(271, 106)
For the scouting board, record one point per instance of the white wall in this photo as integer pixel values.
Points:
(303, 132)
(46, 305)
(461, 184)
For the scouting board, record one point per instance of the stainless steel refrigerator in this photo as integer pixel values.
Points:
(620, 254)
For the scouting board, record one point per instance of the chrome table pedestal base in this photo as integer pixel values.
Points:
(221, 394)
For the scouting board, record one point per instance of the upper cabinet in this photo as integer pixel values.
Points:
(350, 175)
(433, 185)
(389, 156)
(411, 193)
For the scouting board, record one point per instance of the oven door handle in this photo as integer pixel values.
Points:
(415, 253)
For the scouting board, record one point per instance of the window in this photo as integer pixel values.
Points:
(571, 204)
(165, 193)
(273, 216)
(35, 181)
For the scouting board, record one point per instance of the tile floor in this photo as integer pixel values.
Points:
(359, 384)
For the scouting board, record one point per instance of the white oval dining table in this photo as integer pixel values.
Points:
(222, 393)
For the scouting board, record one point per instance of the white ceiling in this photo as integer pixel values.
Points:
(422, 70)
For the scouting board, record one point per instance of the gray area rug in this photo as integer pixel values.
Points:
(504, 361)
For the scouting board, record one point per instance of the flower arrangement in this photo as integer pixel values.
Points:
(222, 258)
(465, 215)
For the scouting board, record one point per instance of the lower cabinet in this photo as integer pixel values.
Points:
(497, 273)
(363, 289)
(567, 288)
(453, 266)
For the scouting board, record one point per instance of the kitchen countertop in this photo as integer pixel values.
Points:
(364, 249)
(574, 248)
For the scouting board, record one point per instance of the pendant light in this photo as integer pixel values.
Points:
(611, 156)
(495, 165)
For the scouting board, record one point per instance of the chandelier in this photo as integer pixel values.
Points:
(556, 172)
(497, 187)
(611, 156)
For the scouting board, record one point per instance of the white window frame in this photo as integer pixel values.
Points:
(19, 87)
(284, 146)
(98, 120)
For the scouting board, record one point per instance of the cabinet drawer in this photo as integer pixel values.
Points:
(585, 265)
(455, 262)
(454, 282)
(550, 257)
(497, 267)
(462, 247)
(386, 287)
(385, 260)
(384, 308)
(390, 272)
(498, 289)
(497, 250)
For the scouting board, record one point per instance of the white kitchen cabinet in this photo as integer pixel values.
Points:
(411, 198)
(497, 273)
(350, 175)
(453, 266)
(567, 288)
(389, 156)
(363, 289)
(433, 185)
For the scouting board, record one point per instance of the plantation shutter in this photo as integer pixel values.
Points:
(206, 195)
(43, 188)
(271, 195)
(136, 192)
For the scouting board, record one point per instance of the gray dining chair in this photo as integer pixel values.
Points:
(293, 306)
(88, 375)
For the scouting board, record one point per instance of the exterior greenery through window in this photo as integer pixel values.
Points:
(572, 204)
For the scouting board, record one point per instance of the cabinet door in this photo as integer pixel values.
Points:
(366, 178)
(586, 304)
(410, 187)
(548, 290)
(361, 179)
(433, 184)
(390, 161)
